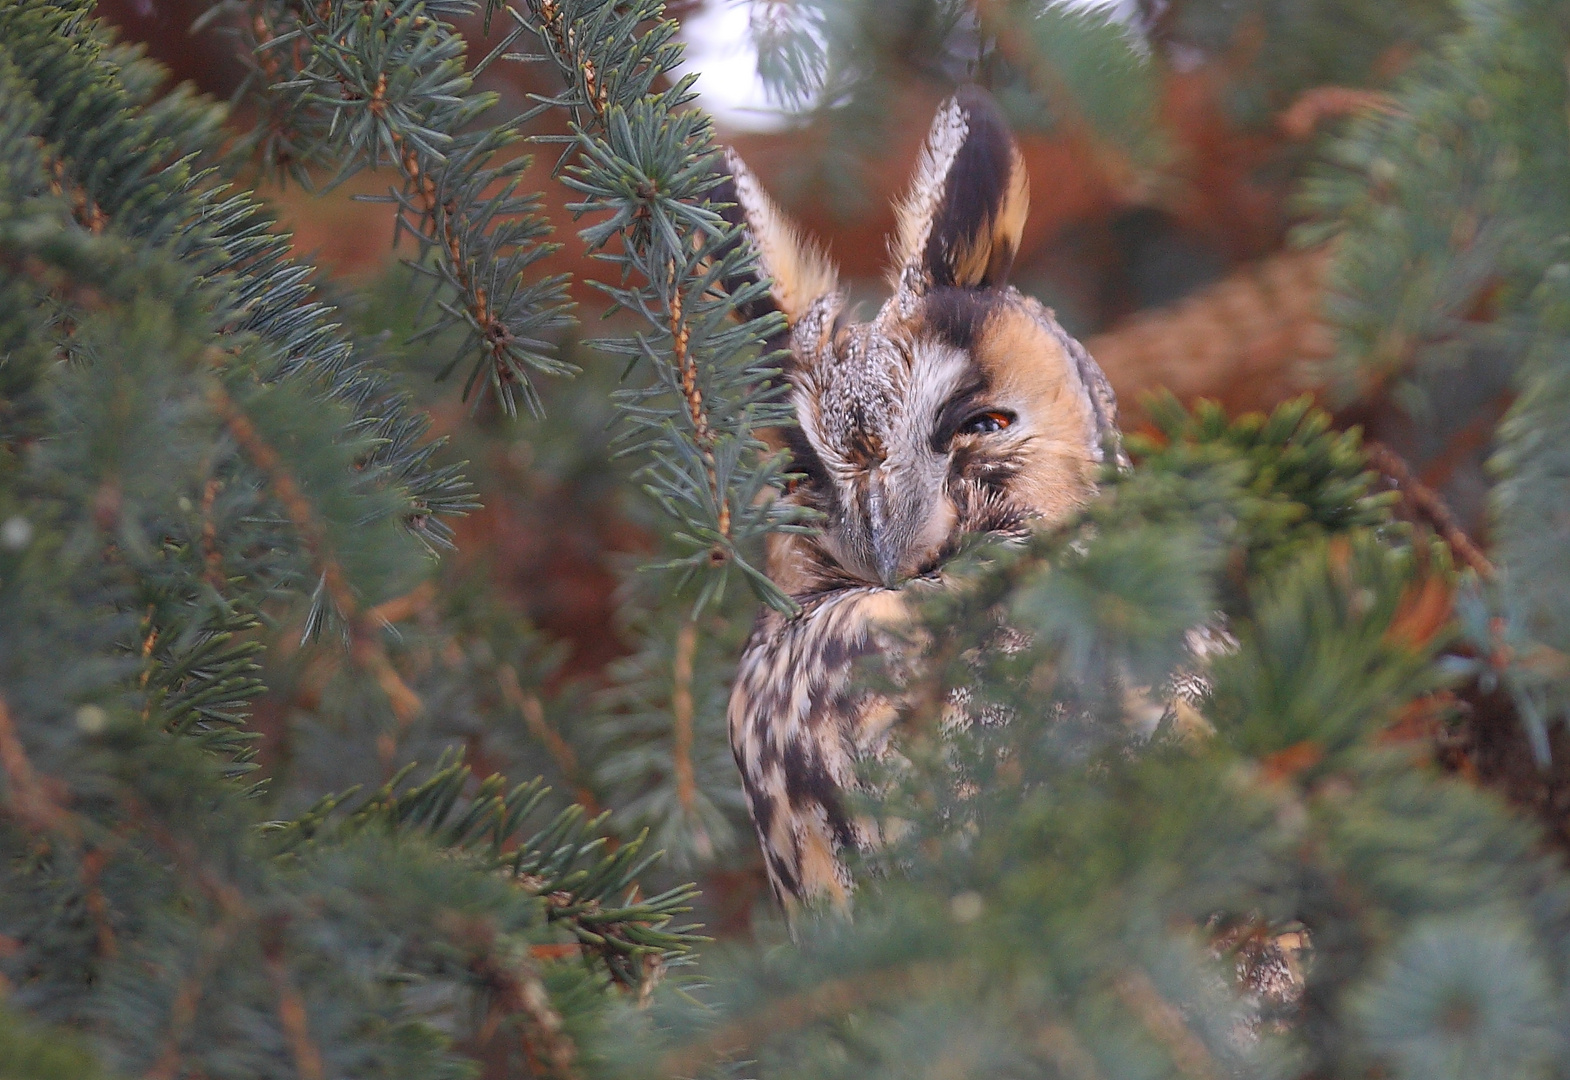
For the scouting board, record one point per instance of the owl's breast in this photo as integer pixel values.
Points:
(799, 721)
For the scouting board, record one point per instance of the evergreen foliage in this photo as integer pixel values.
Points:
(191, 444)
(1449, 204)
(200, 457)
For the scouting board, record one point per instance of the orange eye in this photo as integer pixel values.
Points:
(985, 423)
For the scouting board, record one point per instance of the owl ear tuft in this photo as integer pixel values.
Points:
(961, 223)
(798, 270)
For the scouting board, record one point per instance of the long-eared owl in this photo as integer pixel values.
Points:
(961, 408)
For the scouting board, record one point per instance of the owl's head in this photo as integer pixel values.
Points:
(962, 407)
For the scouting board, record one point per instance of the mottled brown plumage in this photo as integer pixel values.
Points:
(961, 408)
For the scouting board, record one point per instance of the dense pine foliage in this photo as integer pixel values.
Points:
(217, 478)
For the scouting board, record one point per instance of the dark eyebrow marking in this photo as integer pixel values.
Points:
(804, 459)
(960, 406)
(957, 316)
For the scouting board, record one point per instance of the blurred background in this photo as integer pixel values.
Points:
(1167, 141)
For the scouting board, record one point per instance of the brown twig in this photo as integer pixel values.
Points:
(681, 712)
(366, 647)
(697, 412)
(296, 1025)
(1162, 1019)
(519, 992)
(87, 213)
(28, 794)
(1464, 443)
(532, 710)
(188, 995)
(93, 862)
(563, 42)
(235, 914)
(1428, 506)
(833, 998)
(494, 333)
(288, 492)
(212, 555)
(1320, 103)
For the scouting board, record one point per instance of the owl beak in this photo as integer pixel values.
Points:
(887, 554)
(890, 534)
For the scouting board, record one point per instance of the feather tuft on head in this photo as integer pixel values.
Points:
(961, 222)
(798, 270)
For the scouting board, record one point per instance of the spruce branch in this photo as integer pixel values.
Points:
(643, 158)
(1425, 502)
(294, 1019)
(26, 793)
(183, 1009)
(586, 889)
(166, 187)
(389, 85)
(532, 710)
(364, 640)
(681, 714)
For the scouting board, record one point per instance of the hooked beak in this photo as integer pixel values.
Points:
(892, 531)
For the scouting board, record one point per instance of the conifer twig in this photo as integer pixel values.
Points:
(295, 1021)
(1427, 504)
(1163, 1020)
(28, 796)
(366, 647)
(188, 995)
(833, 997)
(533, 713)
(702, 435)
(681, 714)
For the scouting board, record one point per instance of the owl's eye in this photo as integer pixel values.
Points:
(985, 423)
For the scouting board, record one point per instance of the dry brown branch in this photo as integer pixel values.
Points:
(831, 999)
(1162, 1019)
(532, 710)
(28, 794)
(1421, 503)
(1314, 106)
(366, 646)
(296, 1025)
(681, 713)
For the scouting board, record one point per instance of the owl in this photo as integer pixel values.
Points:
(961, 408)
